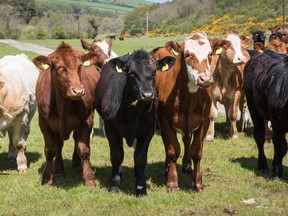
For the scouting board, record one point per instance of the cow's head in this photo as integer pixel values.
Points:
(258, 36)
(231, 48)
(66, 66)
(197, 52)
(101, 55)
(140, 69)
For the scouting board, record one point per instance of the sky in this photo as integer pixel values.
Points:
(160, 1)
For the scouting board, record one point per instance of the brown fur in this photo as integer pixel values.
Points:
(62, 110)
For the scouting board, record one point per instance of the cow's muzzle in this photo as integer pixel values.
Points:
(148, 95)
(205, 80)
(76, 93)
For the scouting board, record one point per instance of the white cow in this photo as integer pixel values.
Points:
(18, 76)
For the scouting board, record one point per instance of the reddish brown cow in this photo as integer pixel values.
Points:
(277, 46)
(184, 105)
(65, 93)
(229, 57)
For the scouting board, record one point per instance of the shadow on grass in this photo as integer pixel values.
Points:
(8, 165)
(155, 176)
(251, 164)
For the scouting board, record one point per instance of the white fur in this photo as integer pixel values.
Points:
(105, 47)
(201, 52)
(17, 102)
(236, 43)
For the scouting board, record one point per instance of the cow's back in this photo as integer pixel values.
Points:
(263, 76)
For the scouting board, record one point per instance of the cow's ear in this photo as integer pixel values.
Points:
(42, 62)
(247, 42)
(165, 63)
(220, 46)
(118, 64)
(89, 59)
(173, 47)
(1, 84)
(85, 44)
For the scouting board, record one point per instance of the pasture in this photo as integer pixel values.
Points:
(232, 185)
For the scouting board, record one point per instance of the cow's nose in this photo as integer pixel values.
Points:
(78, 91)
(148, 95)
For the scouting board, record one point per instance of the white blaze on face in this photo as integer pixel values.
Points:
(201, 48)
(105, 47)
(236, 44)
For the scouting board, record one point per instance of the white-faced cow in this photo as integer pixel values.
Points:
(18, 77)
(184, 105)
(126, 100)
(228, 60)
(265, 84)
(65, 94)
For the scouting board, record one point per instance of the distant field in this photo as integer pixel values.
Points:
(123, 7)
(120, 47)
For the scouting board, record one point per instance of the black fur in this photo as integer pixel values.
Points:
(266, 89)
(126, 100)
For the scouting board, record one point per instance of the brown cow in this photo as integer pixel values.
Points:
(229, 57)
(184, 105)
(65, 93)
(277, 46)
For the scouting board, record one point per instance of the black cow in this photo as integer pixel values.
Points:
(258, 36)
(265, 85)
(126, 99)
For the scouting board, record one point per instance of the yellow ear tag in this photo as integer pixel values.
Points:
(175, 52)
(86, 63)
(45, 66)
(165, 67)
(218, 51)
(119, 70)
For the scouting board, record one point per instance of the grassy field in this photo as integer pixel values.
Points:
(229, 170)
(119, 7)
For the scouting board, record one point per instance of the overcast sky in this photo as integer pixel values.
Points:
(160, 1)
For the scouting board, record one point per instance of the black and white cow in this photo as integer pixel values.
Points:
(265, 85)
(126, 99)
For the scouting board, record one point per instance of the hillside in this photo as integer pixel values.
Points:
(105, 7)
(211, 16)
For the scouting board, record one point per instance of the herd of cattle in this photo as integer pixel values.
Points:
(177, 85)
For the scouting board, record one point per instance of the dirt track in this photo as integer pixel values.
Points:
(41, 50)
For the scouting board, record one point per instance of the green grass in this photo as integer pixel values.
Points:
(229, 170)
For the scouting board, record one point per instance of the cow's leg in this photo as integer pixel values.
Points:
(172, 149)
(83, 149)
(140, 159)
(244, 118)
(211, 130)
(58, 163)
(280, 150)
(116, 156)
(18, 138)
(50, 149)
(186, 162)
(259, 135)
(76, 160)
(232, 114)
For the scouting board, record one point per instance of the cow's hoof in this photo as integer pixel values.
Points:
(22, 170)
(187, 169)
(171, 189)
(235, 136)
(113, 189)
(90, 183)
(263, 170)
(198, 187)
(209, 138)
